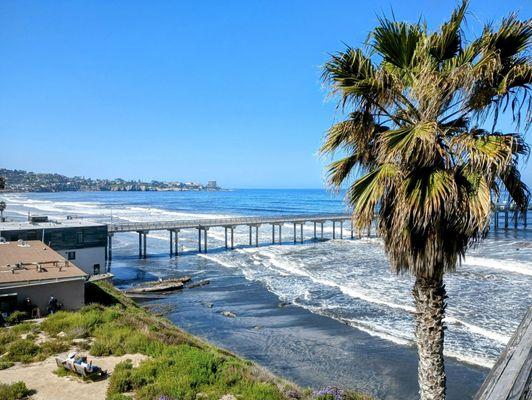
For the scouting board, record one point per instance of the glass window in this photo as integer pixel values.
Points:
(71, 255)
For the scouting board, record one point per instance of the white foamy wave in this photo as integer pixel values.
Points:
(504, 265)
(479, 331)
(365, 327)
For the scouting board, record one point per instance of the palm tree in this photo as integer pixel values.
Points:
(2, 208)
(415, 150)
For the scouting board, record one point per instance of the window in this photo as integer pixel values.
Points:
(79, 237)
(71, 255)
(96, 269)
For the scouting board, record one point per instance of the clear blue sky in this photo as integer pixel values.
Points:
(186, 90)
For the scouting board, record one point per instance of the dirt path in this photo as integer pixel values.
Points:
(40, 377)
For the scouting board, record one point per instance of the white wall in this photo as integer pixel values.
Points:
(86, 258)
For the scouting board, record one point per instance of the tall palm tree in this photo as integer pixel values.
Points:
(415, 150)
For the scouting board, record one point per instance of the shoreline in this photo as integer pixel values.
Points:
(309, 349)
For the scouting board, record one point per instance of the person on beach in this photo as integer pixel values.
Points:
(52, 305)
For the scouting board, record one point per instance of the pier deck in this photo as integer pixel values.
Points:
(229, 224)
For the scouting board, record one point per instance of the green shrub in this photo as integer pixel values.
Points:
(7, 336)
(6, 364)
(54, 346)
(15, 317)
(24, 327)
(120, 380)
(118, 396)
(23, 350)
(14, 391)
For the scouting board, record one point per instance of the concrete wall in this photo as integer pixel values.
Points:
(71, 294)
(87, 258)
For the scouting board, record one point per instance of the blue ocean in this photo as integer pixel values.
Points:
(340, 291)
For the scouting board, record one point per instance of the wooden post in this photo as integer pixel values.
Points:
(256, 236)
(506, 218)
(232, 238)
(140, 244)
(110, 246)
(199, 239)
(295, 237)
(301, 230)
(145, 244)
(334, 229)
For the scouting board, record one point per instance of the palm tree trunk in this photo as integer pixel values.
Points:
(429, 296)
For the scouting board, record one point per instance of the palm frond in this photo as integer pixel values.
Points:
(517, 189)
(447, 43)
(366, 192)
(396, 42)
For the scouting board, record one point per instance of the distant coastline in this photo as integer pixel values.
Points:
(20, 181)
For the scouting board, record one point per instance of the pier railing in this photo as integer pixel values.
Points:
(223, 222)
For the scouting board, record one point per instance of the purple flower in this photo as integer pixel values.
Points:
(329, 393)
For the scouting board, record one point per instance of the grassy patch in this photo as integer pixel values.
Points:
(179, 366)
(6, 364)
(14, 391)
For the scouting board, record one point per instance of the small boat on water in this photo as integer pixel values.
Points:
(166, 285)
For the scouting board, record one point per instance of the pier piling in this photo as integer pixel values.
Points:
(145, 244)
(199, 239)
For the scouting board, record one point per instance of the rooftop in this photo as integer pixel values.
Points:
(33, 261)
(51, 224)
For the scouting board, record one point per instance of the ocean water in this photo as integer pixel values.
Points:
(343, 279)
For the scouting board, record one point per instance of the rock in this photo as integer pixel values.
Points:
(199, 284)
(228, 397)
(61, 334)
(228, 314)
(202, 396)
(283, 304)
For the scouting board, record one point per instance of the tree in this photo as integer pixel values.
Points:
(415, 150)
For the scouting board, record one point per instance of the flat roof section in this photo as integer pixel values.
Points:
(53, 224)
(33, 261)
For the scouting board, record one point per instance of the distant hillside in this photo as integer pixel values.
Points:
(23, 181)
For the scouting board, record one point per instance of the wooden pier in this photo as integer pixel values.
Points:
(511, 376)
(507, 210)
(229, 225)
